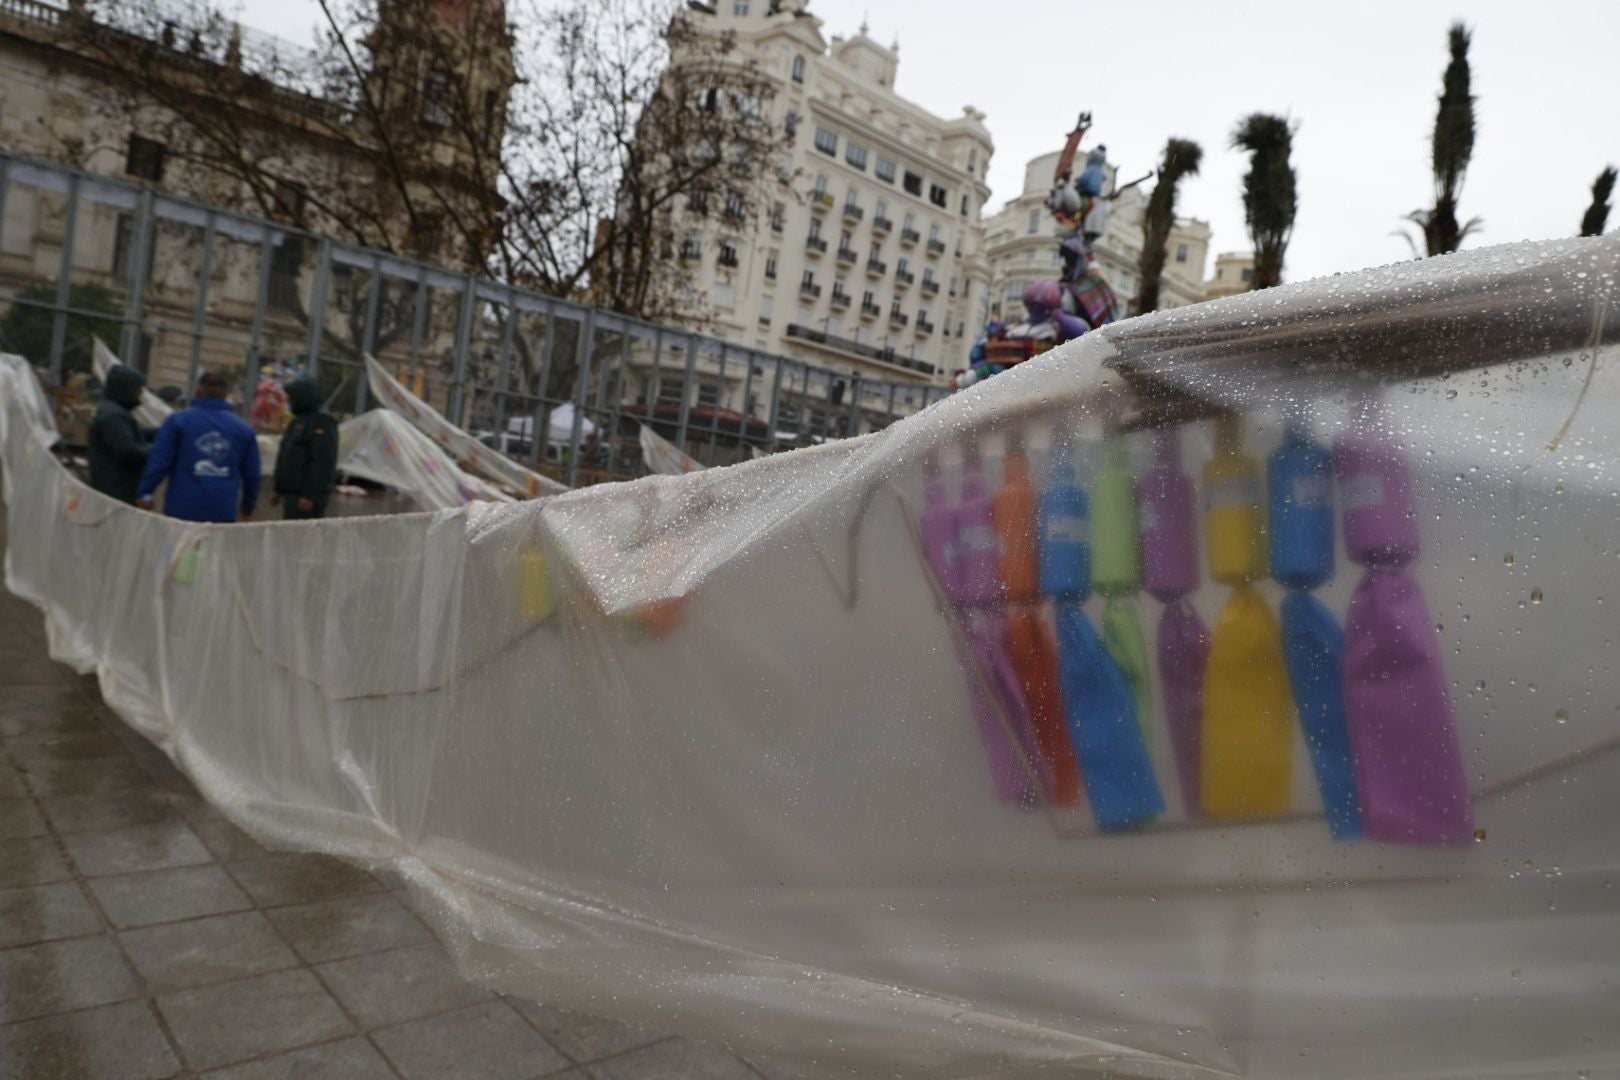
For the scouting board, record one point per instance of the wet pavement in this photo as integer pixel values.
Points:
(144, 936)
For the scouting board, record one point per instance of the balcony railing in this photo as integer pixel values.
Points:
(821, 201)
(809, 288)
(870, 311)
(930, 286)
(904, 277)
(728, 260)
(924, 327)
(936, 247)
(909, 237)
(876, 267)
(840, 299)
(898, 318)
(853, 212)
(847, 255)
(776, 224)
(815, 244)
(882, 225)
(689, 253)
(885, 355)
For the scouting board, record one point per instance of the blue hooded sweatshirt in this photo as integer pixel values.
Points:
(211, 459)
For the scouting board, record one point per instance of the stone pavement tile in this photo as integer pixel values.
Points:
(26, 671)
(45, 913)
(582, 1037)
(349, 926)
(38, 980)
(40, 721)
(226, 841)
(11, 783)
(85, 777)
(19, 818)
(222, 1025)
(63, 746)
(18, 698)
(143, 847)
(109, 810)
(292, 879)
(179, 956)
(485, 1042)
(391, 987)
(345, 1059)
(132, 900)
(673, 1057)
(114, 1042)
(32, 861)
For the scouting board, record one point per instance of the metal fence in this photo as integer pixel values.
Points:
(180, 286)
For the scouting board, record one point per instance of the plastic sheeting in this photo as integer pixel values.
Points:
(726, 753)
(469, 454)
(662, 456)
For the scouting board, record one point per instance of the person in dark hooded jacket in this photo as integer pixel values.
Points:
(118, 446)
(306, 464)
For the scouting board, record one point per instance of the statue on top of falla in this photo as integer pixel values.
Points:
(1081, 299)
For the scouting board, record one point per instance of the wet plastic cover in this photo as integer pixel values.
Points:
(774, 753)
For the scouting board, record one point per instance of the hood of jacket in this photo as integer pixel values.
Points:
(303, 396)
(124, 386)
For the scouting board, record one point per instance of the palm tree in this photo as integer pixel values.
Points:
(1453, 148)
(1181, 159)
(1269, 199)
(1597, 215)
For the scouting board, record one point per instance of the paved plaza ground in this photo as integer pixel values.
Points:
(143, 936)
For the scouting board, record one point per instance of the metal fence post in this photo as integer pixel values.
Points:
(714, 412)
(587, 340)
(418, 317)
(199, 318)
(620, 379)
(504, 372)
(368, 336)
(261, 302)
(776, 404)
(64, 282)
(686, 391)
(5, 186)
(129, 344)
(458, 375)
(852, 426)
(317, 305)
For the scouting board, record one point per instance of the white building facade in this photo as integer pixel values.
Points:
(868, 254)
(1022, 247)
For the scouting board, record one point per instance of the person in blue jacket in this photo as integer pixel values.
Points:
(210, 457)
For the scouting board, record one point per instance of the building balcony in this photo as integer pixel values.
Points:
(858, 348)
(809, 288)
(729, 260)
(876, 267)
(881, 226)
(930, 286)
(776, 224)
(770, 273)
(898, 318)
(924, 327)
(909, 237)
(847, 256)
(904, 278)
(815, 245)
(870, 311)
(936, 247)
(691, 253)
(853, 212)
(821, 201)
(840, 299)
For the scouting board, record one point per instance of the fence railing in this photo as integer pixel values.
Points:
(179, 286)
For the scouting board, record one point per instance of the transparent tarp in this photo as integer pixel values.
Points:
(1229, 692)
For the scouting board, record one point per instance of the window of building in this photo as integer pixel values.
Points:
(815, 228)
(911, 221)
(912, 183)
(844, 239)
(877, 251)
(747, 105)
(821, 185)
(855, 155)
(734, 204)
(1034, 222)
(728, 252)
(869, 298)
(709, 98)
(778, 217)
(882, 211)
(808, 280)
(826, 142)
(839, 284)
(765, 305)
(933, 234)
(1248, 275)
(144, 159)
(964, 206)
(697, 201)
(708, 393)
(791, 123)
(1181, 253)
(884, 169)
(902, 264)
(798, 69)
(436, 98)
(770, 266)
(973, 159)
(928, 275)
(723, 295)
(937, 195)
(739, 7)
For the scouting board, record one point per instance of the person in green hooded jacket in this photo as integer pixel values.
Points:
(118, 448)
(306, 464)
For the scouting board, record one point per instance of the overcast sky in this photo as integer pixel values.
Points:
(1360, 79)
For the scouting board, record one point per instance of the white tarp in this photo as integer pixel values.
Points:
(662, 456)
(710, 753)
(468, 453)
(379, 446)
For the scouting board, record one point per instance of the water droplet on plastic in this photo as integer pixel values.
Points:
(1535, 596)
(1562, 716)
(1508, 559)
